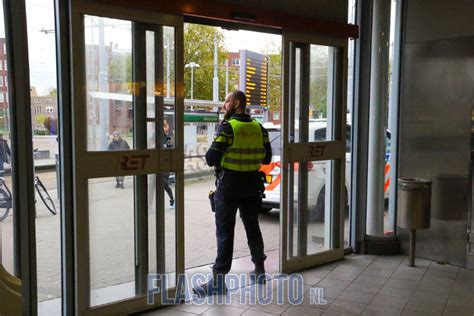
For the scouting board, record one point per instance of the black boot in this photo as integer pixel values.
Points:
(258, 275)
(215, 286)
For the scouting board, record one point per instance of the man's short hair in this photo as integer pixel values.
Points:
(239, 95)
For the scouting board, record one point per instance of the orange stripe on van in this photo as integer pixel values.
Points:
(387, 181)
(274, 183)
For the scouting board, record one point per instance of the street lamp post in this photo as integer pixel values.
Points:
(192, 65)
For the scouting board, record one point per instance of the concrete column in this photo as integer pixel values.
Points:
(378, 113)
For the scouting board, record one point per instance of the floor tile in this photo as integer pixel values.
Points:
(303, 310)
(430, 280)
(402, 284)
(333, 283)
(371, 279)
(255, 313)
(378, 272)
(223, 310)
(383, 265)
(430, 296)
(381, 310)
(331, 292)
(396, 292)
(357, 297)
(426, 307)
(192, 308)
(451, 310)
(344, 276)
(412, 276)
(347, 307)
(365, 287)
(390, 301)
(272, 308)
(348, 269)
(167, 311)
(465, 299)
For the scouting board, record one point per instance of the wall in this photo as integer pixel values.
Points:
(435, 119)
(328, 10)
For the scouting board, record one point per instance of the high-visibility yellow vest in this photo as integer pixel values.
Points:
(247, 151)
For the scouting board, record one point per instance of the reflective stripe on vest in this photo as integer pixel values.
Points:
(247, 151)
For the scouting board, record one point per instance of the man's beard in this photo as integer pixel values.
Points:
(228, 114)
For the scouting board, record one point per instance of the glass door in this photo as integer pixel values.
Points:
(128, 149)
(314, 152)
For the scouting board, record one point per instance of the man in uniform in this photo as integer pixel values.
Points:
(240, 147)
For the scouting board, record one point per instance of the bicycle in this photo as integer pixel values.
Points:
(6, 197)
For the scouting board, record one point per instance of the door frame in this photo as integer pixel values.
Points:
(301, 152)
(95, 164)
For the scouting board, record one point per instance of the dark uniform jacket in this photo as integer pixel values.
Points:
(235, 183)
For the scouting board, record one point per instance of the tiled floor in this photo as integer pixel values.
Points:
(362, 284)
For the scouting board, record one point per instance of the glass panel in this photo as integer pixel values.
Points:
(45, 123)
(347, 191)
(108, 52)
(6, 211)
(295, 114)
(111, 239)
(150, 73)
(309, 217)
(319, 93)
(160, 83)
(199, 181)
(162, 213)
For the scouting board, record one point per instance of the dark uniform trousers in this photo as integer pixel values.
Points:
(242, 192)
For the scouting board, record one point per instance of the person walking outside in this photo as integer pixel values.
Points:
(239, 148)
(167, 143)
(118, 143)
(5, 154)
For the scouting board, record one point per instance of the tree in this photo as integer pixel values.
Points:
(199, 48)
(39, 120)
(52, 92)
(120, 72)
(319, 80)
(274, 82)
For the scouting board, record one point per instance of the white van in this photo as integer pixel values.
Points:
(316, 172)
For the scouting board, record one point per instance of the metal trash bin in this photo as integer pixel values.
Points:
(414, 208)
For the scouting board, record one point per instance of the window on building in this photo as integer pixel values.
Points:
(235, 61)
(1, 81)
(1, 64)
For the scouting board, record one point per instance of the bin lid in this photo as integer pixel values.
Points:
(413, 183)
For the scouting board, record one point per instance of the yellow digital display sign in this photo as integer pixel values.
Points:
(254, 77)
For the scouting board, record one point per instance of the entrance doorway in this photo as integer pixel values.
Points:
(227, 58)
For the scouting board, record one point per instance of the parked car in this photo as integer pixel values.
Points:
(316, 172)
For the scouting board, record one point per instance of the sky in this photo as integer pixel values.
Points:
(263, 43)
